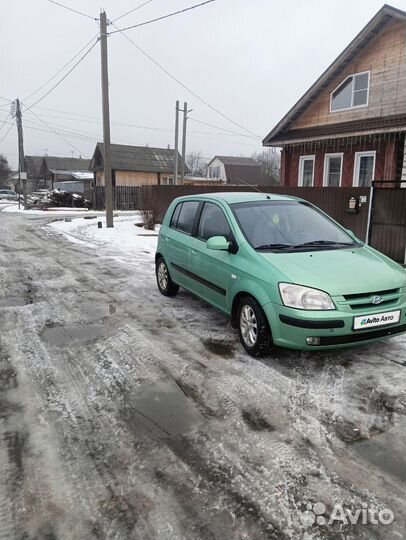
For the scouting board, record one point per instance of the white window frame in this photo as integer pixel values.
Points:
(357, 161)
(352, 96)
(302, 159)
(325, 175)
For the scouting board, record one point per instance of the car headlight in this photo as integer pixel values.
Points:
(296, 296)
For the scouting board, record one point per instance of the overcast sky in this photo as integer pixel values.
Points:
(250, 59)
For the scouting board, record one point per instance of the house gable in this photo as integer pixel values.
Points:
(380, 49)
(385, 61)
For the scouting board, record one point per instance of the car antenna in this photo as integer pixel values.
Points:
(255, 187)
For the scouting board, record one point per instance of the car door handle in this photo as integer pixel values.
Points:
(194, 252)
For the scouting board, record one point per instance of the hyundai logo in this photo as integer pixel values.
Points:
(376, 299)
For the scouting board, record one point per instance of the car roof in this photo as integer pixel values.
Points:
(232, 197)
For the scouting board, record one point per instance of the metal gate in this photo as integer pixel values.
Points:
(387, 221)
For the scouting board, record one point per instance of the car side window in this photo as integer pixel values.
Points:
(213, 222)
(187, 216)
(175, 216)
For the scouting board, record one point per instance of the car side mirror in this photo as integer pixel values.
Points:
(218, 243)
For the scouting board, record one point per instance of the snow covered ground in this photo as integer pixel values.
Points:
(12, 207)
(123, 240)
(126, 415)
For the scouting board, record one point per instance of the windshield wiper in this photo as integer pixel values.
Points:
(275, 246)
(322, 243)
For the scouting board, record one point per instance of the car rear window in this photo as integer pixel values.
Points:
(175, 216)
(186, 216)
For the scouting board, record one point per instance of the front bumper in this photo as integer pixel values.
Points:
(333, 329)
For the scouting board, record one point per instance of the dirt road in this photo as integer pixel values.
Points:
(127, 415)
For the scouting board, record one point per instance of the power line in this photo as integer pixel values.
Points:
(132, 10)
(222, 129)
(5, 120)
(56, 133)
(7, 132)
(185, 87)
(73, 10)
(64, 77)
(60, 70)
(163, 17)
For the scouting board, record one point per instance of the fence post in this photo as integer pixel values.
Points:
(371, 210)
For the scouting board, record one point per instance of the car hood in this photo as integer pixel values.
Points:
(341, 271)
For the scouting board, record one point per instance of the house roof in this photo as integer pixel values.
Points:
(136, 158)
(235, 160)
(386, 124)
(385, 14)
(76, 175)
(66, 163)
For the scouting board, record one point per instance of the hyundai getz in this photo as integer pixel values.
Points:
(285, 272)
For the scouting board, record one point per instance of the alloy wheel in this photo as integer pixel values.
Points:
(163, 276)
(248, 325)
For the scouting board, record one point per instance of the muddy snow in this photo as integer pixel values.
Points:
(127, 415)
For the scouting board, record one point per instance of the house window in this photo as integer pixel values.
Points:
(364, 168)
(167, 181)
(214, 172)
(333, 168)
(306, 171)
(352, 92)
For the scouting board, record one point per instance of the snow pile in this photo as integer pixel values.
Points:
(125, 239)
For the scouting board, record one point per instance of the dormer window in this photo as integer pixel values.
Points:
(351, 93)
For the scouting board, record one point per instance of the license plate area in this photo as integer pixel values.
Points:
(376, 320)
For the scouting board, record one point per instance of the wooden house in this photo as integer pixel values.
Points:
(349, 127)
(68, 173)
(234, 170)
(135, 165)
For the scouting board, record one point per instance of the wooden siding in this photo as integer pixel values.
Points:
(385, 58)
(129, 178)
(385, 162)
(133, 178)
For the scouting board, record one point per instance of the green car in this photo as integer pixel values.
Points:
(285, 272)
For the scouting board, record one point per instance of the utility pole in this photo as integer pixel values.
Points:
(182, 170)
(21, 166)
(106, 121)
(176, 144)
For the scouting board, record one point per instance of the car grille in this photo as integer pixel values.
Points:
(364, 300)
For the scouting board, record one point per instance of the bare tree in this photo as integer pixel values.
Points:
(5, 170)
(196, 164)
(270, 161)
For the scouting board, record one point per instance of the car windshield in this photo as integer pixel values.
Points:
(289, 226)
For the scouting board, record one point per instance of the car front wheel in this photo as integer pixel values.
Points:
(164, 281)
(253, 327)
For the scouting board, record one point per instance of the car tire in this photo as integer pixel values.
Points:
(164, 281)
(253, 327)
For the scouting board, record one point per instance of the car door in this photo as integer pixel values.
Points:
(178, 239)
(211, 269)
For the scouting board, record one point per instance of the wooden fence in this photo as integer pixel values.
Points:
(388, 227)
(334, 201)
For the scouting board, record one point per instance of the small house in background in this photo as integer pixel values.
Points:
(68, 173)
(234, 170)
(349, 127)
(135, 165)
